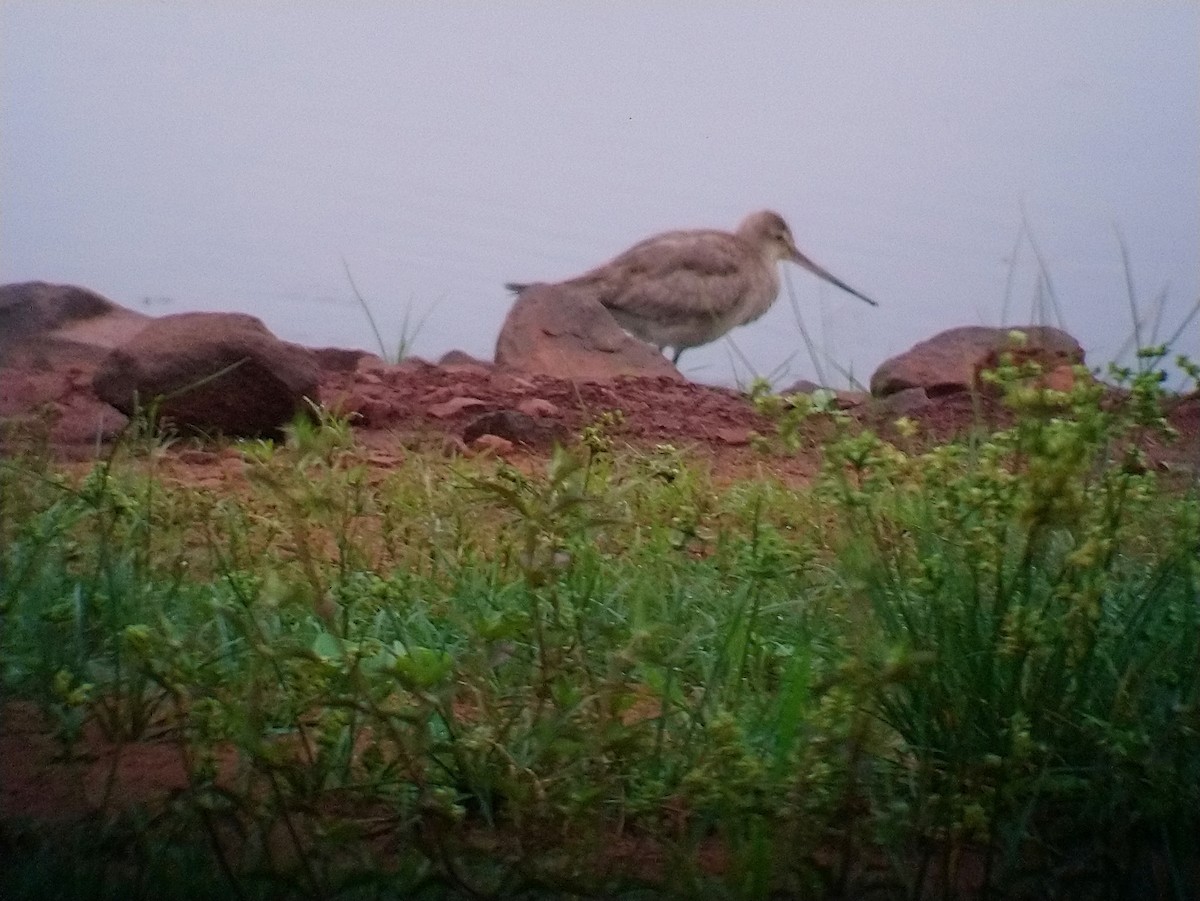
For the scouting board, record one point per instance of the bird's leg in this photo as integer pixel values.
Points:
(678, 354)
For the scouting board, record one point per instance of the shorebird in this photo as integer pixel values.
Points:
(683, 289)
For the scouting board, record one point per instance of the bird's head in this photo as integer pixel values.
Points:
(767, 231)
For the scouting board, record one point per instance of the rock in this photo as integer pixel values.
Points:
(537, 407)
(511, 383)
(1055, 375)
(1061, 378)
(552, 330)
(218, 372)
(366, 409)
(803, 386)
(48, 325)
(454, 406)
(909, 400)
(488, 443)
(736, 437)
(456, 358)
(337, 359)
(453, 446)
(950, 361)
(84, 421)
(848, 400)
(514, 426)
(385, 459)
(439, 394)
(51, 405)
(409, 366)
(371, 368)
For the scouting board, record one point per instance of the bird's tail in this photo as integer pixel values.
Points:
(516, 287)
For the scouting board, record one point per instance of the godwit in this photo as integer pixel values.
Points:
(682, 289)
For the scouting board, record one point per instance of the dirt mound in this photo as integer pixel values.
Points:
(421, 405)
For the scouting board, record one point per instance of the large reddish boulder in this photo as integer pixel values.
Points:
(552, 330)
(48, 326)
(950, 361)
(211, 372)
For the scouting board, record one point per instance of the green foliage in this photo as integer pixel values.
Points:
(1045, 587)
(968, 669)
(792, 413)
(409, 330)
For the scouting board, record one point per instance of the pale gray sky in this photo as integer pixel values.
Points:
(229, 155)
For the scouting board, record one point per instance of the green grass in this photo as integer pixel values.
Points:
(969, 670)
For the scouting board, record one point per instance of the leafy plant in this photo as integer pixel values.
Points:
(960, 670)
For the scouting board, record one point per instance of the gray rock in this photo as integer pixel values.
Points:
(514, 426)
(452, 358)
(951, 360)
(211, 372)
(337, 359)
(50, 325)
(552, 330)
(909, 400)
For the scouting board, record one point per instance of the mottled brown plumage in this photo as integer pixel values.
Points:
(682, 289)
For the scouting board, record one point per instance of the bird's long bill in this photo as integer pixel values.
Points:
(801, 260)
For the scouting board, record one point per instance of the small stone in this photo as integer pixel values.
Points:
(1061, 378)
(501, 447)
(385, 458)
(512, 383)
(337, 359)
(85, 422)
(374, 411)
(804, 386)
(453, 446)
(905, 401)
(460, 359)
(410, 366)
(370, 365)
(520, 428)
(537, 407)
(733, 436)
(848, 400)
(454, 406)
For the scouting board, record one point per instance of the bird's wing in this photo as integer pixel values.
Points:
(673, 276)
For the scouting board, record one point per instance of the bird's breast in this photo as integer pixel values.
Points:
(762, 287)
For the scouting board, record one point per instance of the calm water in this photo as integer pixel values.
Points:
(230, 156)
